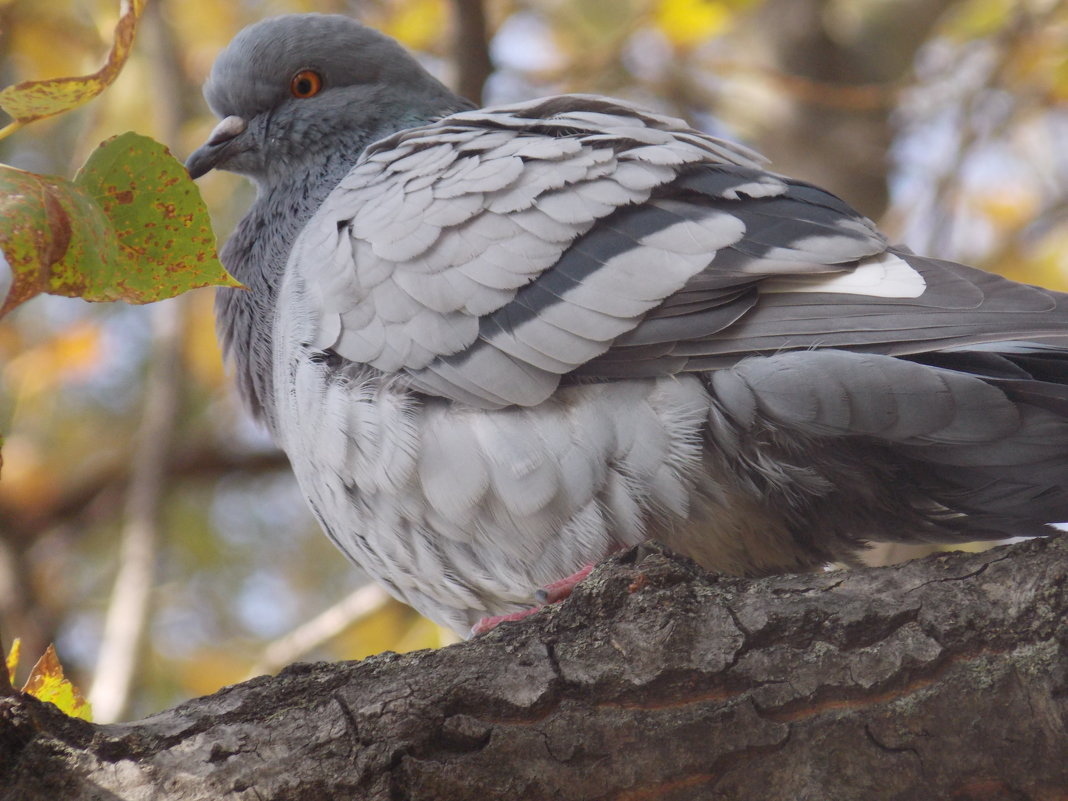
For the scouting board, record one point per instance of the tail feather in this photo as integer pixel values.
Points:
(974, 441)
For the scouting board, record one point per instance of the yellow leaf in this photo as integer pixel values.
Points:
(13, 659)
(376, 632)
(1010, 207)
(1043, 262)
(423, 633)
(79, 349)
(200, 346)
(978, 18)
(34, 100)
(28, 483)
(208, 669)
(688, 22)
(416, 23)
(48, 683)
(72, 355)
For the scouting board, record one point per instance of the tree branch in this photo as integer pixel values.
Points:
(128, 609)
(328, 624)
(841, 146)
(203, 462)
(471, 49)
(944, 677)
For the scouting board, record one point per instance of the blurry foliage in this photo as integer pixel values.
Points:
(984, 174)
(417, 24)
(979, 173)
(688, 23)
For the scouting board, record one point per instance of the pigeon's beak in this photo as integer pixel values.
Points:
(208, 155)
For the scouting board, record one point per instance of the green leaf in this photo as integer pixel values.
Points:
(166, 243)
(131, 227)
(45, 225)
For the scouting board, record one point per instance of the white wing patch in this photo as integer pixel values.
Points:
(882, 276)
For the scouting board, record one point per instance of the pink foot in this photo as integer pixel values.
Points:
(549, 594)
(487, 623)
(558, 590)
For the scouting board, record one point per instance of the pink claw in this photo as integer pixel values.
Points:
(549, 594)
(487, 623)
(559, 590)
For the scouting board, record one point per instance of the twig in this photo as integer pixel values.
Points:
(471, 49)
(320, 629)
(851, 97)
(204, 462)
(127, 615)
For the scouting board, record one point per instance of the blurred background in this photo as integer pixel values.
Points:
(149, 528)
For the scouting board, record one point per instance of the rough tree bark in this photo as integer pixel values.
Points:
(941, 678)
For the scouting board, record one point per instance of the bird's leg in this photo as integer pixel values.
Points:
(559, 590)
(549, 594)
(491, 622)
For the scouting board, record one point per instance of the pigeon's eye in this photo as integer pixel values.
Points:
(306, 83)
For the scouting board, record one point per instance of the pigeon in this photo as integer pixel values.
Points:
(499, 344)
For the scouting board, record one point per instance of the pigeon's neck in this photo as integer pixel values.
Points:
(256, 255)
(281, 210)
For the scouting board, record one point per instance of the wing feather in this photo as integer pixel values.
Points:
(495, 253)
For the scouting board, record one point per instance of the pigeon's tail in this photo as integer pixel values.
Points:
(953, 445)
(1034, 373)
(1015, 483)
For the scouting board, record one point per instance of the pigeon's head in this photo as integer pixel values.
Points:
(299, 90)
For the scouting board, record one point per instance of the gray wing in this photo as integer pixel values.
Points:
(498, 252)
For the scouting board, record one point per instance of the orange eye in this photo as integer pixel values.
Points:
(306, 83)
